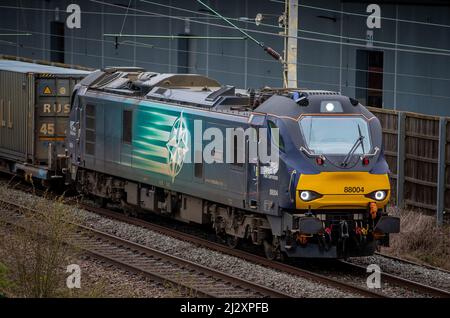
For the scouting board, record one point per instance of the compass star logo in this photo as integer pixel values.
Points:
(177, 146)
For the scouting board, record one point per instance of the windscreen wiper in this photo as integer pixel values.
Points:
(355, 146)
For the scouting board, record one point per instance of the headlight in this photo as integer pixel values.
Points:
(378, 195)
(306, 195)
(329, 107)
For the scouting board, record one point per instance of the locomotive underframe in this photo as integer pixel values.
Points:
(333, 234)
(137, 197)
(340, 234)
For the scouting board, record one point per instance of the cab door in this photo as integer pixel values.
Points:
(253, 164)
(252, 179)
(73, 135)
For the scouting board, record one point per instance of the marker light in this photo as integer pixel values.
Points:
(329, 107)
(365, 161)
(380, 195)
(305, 195)
(320, 161)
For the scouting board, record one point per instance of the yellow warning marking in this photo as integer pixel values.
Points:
(47, 90)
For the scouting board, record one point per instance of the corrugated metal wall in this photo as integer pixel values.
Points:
(14, 111)
(414, 39)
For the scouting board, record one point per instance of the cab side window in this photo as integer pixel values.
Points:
(237, 147)
(280, 142)
(127, 126)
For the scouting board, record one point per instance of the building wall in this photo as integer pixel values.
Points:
(415, 77)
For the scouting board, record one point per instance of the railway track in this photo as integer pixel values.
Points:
(311, 275)
(321, 279)
(406, 261)
(402, 282)
(399, 281)
(193, 279)
(282, 267)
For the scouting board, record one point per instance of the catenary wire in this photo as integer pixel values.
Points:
(305, 31)
(159, 15)
(145, 45)
(278, 35)
(365, 15)
(248, 74)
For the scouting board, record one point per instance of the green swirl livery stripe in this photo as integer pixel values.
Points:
(160, 140)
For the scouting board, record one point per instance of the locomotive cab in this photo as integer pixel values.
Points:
(335, 173)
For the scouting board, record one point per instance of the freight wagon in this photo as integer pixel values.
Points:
(34, 110)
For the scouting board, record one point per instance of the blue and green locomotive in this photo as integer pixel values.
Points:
(180, 145)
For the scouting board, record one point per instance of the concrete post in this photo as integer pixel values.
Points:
(401, 159)
(440, 205)
(291, 44)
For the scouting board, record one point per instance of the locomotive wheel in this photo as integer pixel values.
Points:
(100, 202)
(128, 210)
(273, 251)
(270, 251)
(233, 241)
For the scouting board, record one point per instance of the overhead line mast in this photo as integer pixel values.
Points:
(290, 44)
(274, 54)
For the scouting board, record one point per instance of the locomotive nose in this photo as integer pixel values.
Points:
(342, 190)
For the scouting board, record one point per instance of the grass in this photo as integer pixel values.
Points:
(420, 239)
(34, 254)
(5, 283)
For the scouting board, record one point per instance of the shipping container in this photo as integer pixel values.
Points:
(34, 111)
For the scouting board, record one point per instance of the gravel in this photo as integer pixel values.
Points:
(359, 280)
(290, 284)
(421, 274)
(287, 283)
(105, 280)
(100, 279)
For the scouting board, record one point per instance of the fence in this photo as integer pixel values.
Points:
(417, 149)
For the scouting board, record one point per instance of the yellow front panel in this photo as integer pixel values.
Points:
(332, 186)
